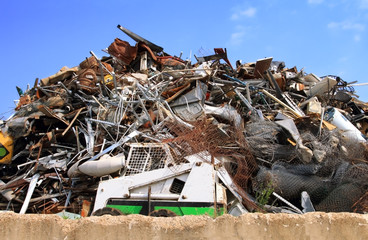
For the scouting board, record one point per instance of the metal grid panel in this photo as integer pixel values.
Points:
(177, 186)
(146, 157)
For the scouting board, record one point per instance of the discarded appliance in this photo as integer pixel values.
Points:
(192, 188)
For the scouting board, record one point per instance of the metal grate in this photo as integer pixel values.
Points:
(177, 186)
(146, 157)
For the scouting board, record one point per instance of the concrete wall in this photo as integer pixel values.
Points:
(249, 226)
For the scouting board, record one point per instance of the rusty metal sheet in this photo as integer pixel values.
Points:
(122, 51)
(261, 66)
(60, 76)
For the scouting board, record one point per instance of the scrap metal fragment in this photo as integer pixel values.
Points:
(297, 114)
(31, 188)
(138, 38)
(50, 113)
(289, 125)
(297, 210)
(307, 203)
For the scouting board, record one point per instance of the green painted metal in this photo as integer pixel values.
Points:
(127, 209)
(177, 210)
(180, 211)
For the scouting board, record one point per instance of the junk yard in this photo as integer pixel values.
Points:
(140, 131)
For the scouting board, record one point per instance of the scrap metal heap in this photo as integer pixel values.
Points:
(275, 129)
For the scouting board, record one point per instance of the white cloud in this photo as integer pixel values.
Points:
(356, 28)
(237, 37)
(315, 1)
(357, 38)
(343, 59)
(346, 25)
(363, 4)
(333, 25)
(249, 12)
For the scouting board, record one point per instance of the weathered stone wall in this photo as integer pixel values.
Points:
(249, 226)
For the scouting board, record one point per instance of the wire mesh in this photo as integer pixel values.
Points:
(146, 157)
(226, 144)
(361, 205)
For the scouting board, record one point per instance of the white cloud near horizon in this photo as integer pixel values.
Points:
(238, 14)
(315, 1)
(346, 25)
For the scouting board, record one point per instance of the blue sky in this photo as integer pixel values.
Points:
(322, 36)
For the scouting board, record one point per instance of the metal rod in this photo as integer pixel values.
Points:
(282, 103)
(69, 194)
(149, 200)
(287, 202)
(145, 111)
(31, 188)
(71, 123)
(320, 124)
(244, 100)
(115, 145)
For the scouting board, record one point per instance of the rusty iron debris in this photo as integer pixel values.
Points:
(141, 127)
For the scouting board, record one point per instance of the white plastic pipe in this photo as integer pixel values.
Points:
(340, 121)
(104, 166)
